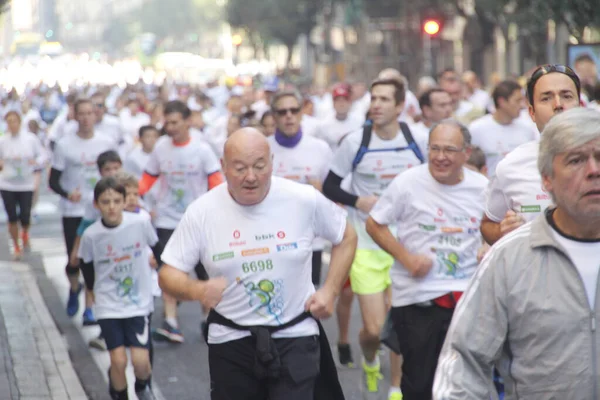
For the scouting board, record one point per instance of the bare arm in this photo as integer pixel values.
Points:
(493, 231)
(179, 284)
(342, 255)
(417, 264)
(490, 230)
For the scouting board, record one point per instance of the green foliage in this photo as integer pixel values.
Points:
(173, 18)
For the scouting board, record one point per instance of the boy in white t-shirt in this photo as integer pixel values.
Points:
(114, 264)
(109, 164)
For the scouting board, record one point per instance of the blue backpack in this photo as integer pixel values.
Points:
(366, 138)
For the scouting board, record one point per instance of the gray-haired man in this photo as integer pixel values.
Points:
(532, 303)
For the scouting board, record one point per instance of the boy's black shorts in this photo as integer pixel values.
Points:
(128, 332)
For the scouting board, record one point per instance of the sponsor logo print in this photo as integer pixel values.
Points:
(442, 220)
(223, 256)
(472, 231)
(531, 209)
(287, 246)
(124, 258)
(428, 228)
(104, 261)
(137, 253)
(281, 235)
(440, 212)
(143, 338)
(255, 252)
(236, 234)
(237, 243)
(542, 197)
(264, 236)
(109, 251)
(447, 229)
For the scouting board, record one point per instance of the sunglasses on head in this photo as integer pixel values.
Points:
(282, 112)
(546, 69)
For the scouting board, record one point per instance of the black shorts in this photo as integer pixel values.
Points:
(231, 367)
(163, 237)
(128, 332)
(21, 199)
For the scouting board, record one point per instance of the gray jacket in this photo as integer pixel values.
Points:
(526, 310)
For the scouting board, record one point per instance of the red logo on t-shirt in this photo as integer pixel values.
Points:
(109, 251)
(137, 245)
(379, 163)
(473, 220)
(281, 235)
(236, 234)
(440, 212)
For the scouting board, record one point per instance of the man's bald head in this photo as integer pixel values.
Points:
(247, 165)
(245, 140)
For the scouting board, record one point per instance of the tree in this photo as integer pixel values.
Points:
(174, 18)
(281, 20)
(118, 33)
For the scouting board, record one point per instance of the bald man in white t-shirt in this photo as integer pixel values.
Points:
(258, 258)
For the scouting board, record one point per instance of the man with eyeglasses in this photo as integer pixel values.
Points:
(372, 157)
(515, 195)
(299, 157)
(437, 208)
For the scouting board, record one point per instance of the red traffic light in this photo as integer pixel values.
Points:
(431, 27)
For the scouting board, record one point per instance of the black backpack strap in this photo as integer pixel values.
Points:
(411, 142)
(364, 144)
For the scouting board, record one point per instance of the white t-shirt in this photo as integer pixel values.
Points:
(61, 127)
(310, 125)
(308, 160)
(132, 123)
(498, 140)
(436, 220)
(517, 186)
(22, 156)
(76, 159)
(264, 251)
(110, 126)
(584, 256)
(410, 102)
(421, 131)
(332, 130)
(374, 173)
(123, 277)
(135, 162)
(183, 176)
(482, 100)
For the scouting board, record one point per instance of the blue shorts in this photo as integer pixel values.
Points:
(128, 332)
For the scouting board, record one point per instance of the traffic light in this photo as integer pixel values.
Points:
(432, 27)
(236, 40)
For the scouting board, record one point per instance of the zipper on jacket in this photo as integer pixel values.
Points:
(594, 358)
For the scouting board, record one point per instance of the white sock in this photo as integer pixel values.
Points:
(394, 390)
(172, 321)
(374, 363)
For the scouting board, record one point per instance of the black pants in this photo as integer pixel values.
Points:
(70, 225)
(421, 333)
(232, 378)
(23, 200)
(163, 237)
(317, 263)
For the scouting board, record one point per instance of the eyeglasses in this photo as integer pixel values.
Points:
(282, 112)
(449, 151)
(546, 69)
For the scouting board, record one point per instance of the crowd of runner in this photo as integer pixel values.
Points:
(427, 181)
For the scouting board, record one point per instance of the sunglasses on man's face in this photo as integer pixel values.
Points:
(546, 69)
(282, 112)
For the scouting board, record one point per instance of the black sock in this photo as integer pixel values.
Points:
(141, 384)
(118, 395)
